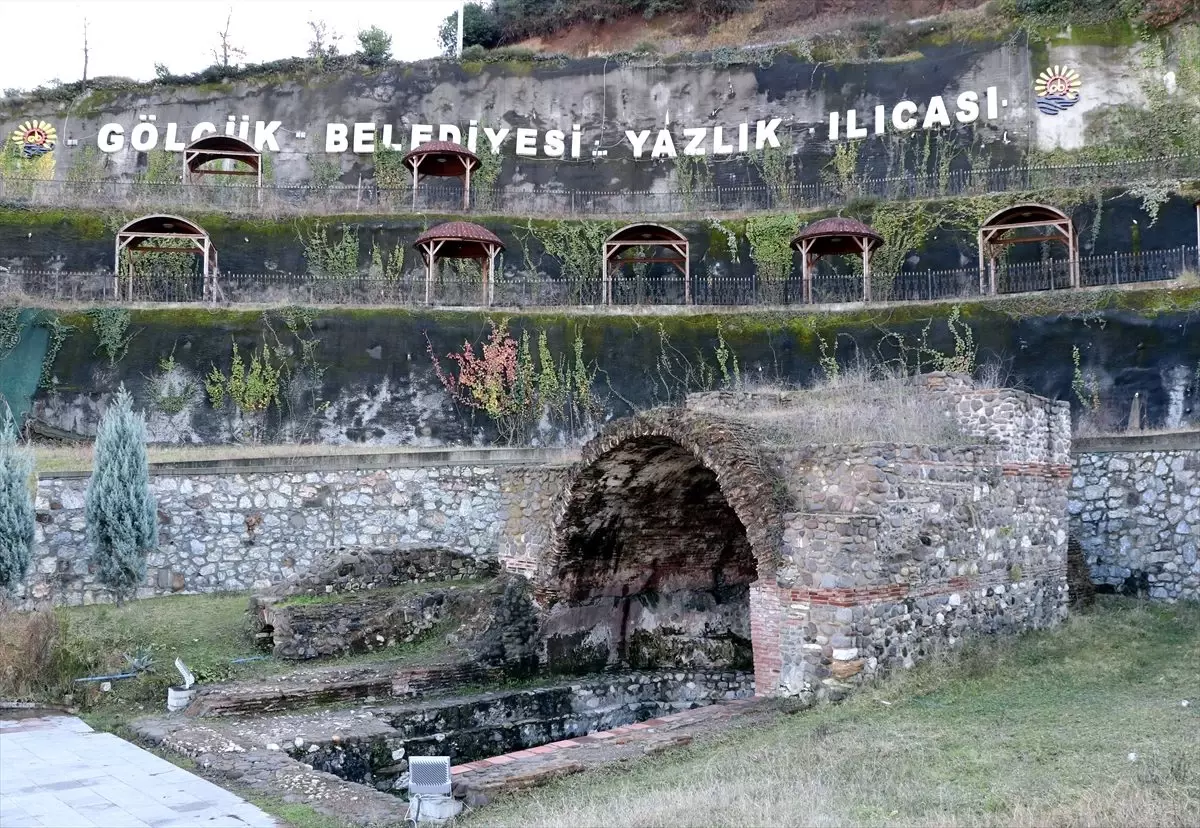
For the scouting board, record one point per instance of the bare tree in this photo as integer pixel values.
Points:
(226, 50)
(85, 49)
(324, 42)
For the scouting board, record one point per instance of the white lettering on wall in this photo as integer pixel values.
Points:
(110, 138)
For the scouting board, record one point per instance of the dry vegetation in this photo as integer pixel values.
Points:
(857, 405)
(1035, 732)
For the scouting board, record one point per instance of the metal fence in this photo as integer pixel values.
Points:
(302, 199)
(540, 290)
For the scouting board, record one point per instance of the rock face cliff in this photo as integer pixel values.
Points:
(602, 124)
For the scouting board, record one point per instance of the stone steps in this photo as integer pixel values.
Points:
(331, 686)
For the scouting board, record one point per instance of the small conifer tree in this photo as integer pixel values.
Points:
(121, 515)
(16, 504)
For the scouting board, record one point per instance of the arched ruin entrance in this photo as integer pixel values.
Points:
(661, 536)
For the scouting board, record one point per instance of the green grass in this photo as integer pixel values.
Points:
(206, 631)
(396, 591)
(1035, 732)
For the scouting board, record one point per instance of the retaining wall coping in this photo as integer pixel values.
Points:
(1111, 444)
(403, 459)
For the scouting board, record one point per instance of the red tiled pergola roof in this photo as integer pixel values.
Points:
(459, 240)
(837, 235)
(464, 232)
(444, 158)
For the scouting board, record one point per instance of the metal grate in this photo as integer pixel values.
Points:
(429, 775)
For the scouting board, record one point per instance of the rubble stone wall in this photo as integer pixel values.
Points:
(1135, 508)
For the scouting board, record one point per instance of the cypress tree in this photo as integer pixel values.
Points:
(16, 505)
(121, 515)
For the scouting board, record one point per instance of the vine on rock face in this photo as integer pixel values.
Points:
(10, 330)
(251, 390)
(327, 260)
(110, 325)
(504, 382)
(770, 238)
(693, 178)
(778, 171)
(578, 246)
(1085, 386)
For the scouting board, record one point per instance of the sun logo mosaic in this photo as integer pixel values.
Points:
(1057, 90)
(35, 137)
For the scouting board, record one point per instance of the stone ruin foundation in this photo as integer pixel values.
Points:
(692, 556)
(685, 538)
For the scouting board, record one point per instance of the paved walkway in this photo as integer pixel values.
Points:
(59, 773)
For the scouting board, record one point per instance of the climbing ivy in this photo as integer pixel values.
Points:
(330, 260)
(842, 169)
(1084, 385)
(323, 172)
(730, 237)
(391, 173)
(578, 245)
(86, 165)
(110, 326)
(10, 330)
(58, 333)
(778, 170)
(390, 266)
(251, 390)
(483, 180)
(693, 177)
(171, 389)
(162, 167)
(770, 237)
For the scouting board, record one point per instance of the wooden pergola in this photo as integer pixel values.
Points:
(220, 148)
(647, 235)
(992, 236)
(164, 234)
(836, 236)
(459, 240)
(444, 159)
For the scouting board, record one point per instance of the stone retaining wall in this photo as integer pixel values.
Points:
(230, 527)
(1135, 507)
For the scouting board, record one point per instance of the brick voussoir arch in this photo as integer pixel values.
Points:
(727, 448)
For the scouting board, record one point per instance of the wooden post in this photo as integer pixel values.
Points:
(981, 264)
(607, 285)
(805, 271)
(687, 276)
(467, 187)
(416, 164)
(865, 243)
(117, 268)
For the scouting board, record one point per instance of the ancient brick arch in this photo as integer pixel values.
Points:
(684, 447)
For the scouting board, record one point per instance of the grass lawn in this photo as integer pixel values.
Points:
(42, 653)
(1035, 732)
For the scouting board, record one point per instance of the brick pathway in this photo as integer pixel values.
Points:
(57, 772)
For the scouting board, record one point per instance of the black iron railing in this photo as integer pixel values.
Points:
(303, 199)
(541, 290)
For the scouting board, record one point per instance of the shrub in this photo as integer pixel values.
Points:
(16, 505)
(120, 513)
(376, 46)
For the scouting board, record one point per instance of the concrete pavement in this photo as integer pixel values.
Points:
(56, 772)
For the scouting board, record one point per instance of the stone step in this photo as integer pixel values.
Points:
(330, 686)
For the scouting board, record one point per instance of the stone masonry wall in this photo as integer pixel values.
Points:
(1135, 507)
(222, 529)
(891, 552)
